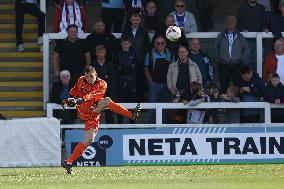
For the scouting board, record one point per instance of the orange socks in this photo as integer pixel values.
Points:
(117, 108)
(77, 152)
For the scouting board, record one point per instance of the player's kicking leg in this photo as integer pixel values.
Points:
(117, 108)
(79, 149)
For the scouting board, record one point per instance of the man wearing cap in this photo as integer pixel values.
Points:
(277, 22)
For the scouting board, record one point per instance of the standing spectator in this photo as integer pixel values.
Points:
(101, 37)
(274, 62)
(251, 90)
(157, 63)
(268, 12)
(202, 60)
(184, 19)
(70, 12)
(112, 13)
(133, 7)
(151, 19)
(60, 92)
(250, 18)
(230, 115)
(165, 8)
(106, 72)
(274, 93)
(181, 73)
(71, 54)
(172, 46)
(126, 74)
(277, 22)
(30, 7)
(231, 53)
(205, 9)
(140, 44)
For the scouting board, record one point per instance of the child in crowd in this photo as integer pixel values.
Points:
(126, 74)
(213, 93)
(274, 93)
(198, 96)
(230, 115)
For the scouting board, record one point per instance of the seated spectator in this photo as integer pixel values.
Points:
(156, 64)
(101, 37)
(251, 90)
(230, 115)
(30, 7)
(277, 22)
(140, 45)
(231, 53)
(172, 46)
(70, 12)
(151, 19)
(71, 54)
(274, 62)
(196, 116)
(60, 92)
(205, 9)
(202, 60)
(184, 19)
(105, 71)
(274, 93)
(112, 13)
(125, 64)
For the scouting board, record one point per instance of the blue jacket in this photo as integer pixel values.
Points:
(257, 87)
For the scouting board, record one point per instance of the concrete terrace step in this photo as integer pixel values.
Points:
(20, 55)
(21, 74)
(34, 94)
(22, 103)
(13, 26)
(13, 36)
(7, 6)
(22, 84)
(11, 47)
(22, 114)
(21, 64)
(13, 17)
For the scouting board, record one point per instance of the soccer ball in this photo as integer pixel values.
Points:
(173, 33)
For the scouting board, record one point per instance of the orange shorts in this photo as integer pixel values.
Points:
(94, 124)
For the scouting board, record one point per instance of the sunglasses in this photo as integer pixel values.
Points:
(160, 43)
(179, 6)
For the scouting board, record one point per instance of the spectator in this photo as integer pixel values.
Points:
(126, 74)
(172, 46)
(152, 20)
(268, 12)
(70, 12)
(202, 60)
(214, 95)
(250, 18)
(251, 90)
(133, 7)
(2, 117)
(112, 13)
(106, 72)
(101, 37)
(196, 116)
(277, 22)
(141, 44)
(184, 19)
(71, 54)
(275, 5)
(165, 8)
(205, 9)
(274, 93)
(230, 115)
(272, 61)
(60, 92)
(231, 52)
(157, 63)
(181, 73)
(30, 7)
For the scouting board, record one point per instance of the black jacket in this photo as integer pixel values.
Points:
(273, 93)
(56, 91)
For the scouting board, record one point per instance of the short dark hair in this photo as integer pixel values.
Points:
(212, 85)
(135, 14)
(90, 69)
(275, 75)
(234, 89)
(246, 70)
(71, 26)
(195, 87)
(126, 39)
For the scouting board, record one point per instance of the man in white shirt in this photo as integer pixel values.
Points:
(30, 7)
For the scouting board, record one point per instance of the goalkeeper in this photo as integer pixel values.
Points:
(88, 97)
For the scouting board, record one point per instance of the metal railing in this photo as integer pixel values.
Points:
(159, 107)
(208, 35)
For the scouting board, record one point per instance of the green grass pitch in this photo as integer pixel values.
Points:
(267, 176)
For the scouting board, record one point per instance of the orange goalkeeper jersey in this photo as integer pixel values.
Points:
(91, 93)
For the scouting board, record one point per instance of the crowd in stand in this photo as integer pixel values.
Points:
(138, 69)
